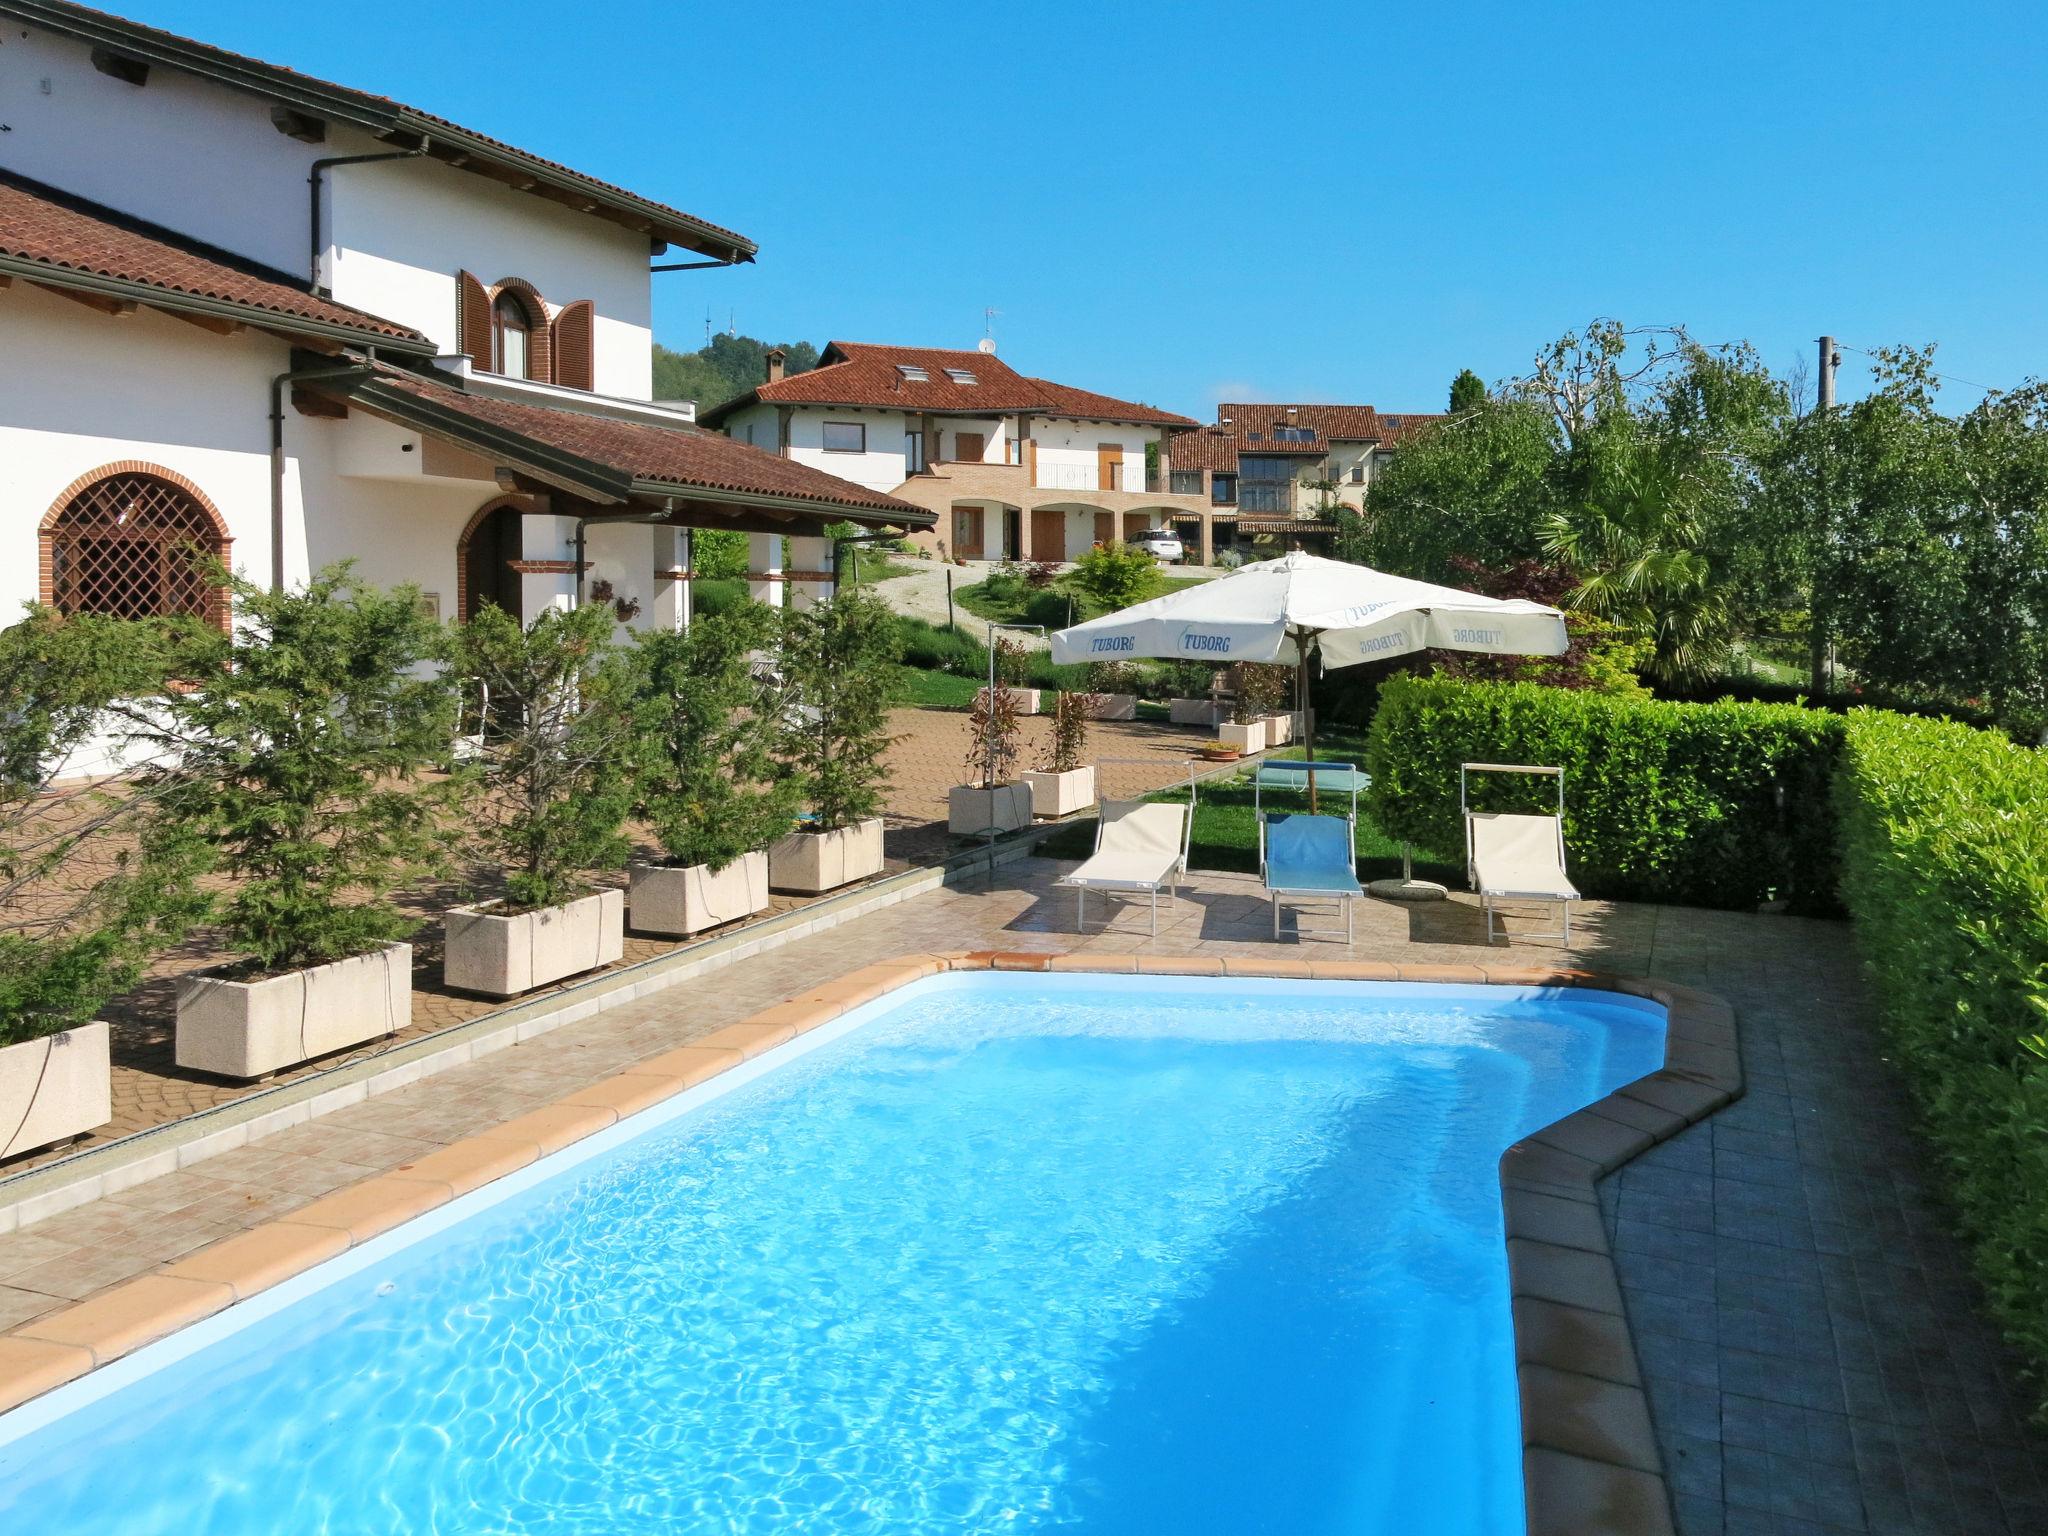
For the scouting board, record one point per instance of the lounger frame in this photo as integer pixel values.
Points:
(1357, 782)
(1174, 875)
(1488, 900)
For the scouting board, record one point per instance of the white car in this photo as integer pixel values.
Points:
(1163, 544)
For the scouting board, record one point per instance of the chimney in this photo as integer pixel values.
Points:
(775, 358)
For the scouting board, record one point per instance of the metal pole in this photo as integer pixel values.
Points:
(950, 621)
(1817, 647)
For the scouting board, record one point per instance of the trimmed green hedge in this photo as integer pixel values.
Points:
(1945, 870)
(1711, 805)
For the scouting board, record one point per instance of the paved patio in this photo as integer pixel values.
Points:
(1808, 1335)
(926, 758)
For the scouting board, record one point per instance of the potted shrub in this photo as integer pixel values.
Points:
(993, 800)
(1012, 666)
(1251, 727)
(1113, 690)
(553, 786)
(1194, 700)
(90, 887)
(708, 782)
(839, 660)
(302, 763)
(1065, 784)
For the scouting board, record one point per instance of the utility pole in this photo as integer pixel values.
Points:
(1818, 649)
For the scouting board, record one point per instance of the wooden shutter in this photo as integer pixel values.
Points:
(539, 355)
(473, 319)
(575, 363)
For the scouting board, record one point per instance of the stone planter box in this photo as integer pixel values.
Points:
(250, 1029)
(1027, 698)
(813, 862)
(1279, 729)
(680, 900)
(1246, 738)
(972, 811)
(1197, 711)
(1114, 706)
(1054, 795)
(502, 955)
(56, 1087)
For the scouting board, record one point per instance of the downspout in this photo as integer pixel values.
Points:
(313, 246)
(277, 384)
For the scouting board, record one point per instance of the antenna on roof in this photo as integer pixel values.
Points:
(987, 344)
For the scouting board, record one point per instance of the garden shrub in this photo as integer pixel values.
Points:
(1117, 575)
(1945, 871)
(554, 782)
(82, 907)
(302, 760)
(708, 599)
(1712, 805)
(709, 786)
(718, 554)
(840, 659)
(936, 648)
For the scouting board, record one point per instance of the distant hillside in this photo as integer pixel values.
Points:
(730, 366)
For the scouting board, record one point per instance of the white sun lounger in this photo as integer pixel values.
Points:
(1516, 858)
(1140, 848)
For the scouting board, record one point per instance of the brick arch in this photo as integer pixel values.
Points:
(217, 611)
(476, 520)
(539, 351)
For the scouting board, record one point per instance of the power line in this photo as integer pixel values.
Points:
(1946, 378)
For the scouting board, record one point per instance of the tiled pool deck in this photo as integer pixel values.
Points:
(1806, 1335)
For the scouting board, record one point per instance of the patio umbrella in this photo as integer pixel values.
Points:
(1302, 606)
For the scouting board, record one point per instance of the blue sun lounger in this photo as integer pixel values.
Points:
(1309, 858)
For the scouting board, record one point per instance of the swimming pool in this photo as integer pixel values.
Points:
(999, 1252)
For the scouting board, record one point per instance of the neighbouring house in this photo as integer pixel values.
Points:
(1273, 473)
(288, 323)
(1013, 467)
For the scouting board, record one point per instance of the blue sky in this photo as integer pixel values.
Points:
(1347, 202)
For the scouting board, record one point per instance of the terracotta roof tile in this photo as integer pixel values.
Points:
(861, 374)
(70, 238)
(684, 456)
(1253, 427)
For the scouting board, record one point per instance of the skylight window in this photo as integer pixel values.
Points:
(913, 373)
(961, 376)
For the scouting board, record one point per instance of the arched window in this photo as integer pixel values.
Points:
(511, 337)
(127, 541)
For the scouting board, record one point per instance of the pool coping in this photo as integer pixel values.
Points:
(1591, 1462)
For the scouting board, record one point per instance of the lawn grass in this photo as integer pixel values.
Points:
(928, 689)
(1046, 604)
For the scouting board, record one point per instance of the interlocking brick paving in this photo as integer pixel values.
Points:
(927, 757)
(1814, 1351)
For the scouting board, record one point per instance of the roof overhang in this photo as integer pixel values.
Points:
(120, 290)
(605, 490)
(385, 119)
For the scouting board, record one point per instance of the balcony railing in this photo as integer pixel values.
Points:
(1080, 477)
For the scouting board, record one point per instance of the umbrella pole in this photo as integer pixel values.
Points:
(1308, 715)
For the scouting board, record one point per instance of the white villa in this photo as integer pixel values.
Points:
(292, 322)
(1012, 467)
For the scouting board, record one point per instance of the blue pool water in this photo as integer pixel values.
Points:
(1000, 1254)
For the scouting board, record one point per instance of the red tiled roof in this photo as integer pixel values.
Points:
(1209, 448)
(49, 236)
(616, 455)
(384, 117)
(860, 374)
(1086, 405)
(1331, 423)
(1217, 448)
